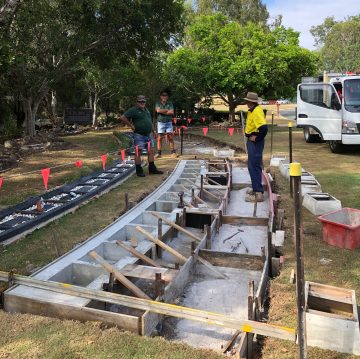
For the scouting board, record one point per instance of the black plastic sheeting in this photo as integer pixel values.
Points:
(20, 220)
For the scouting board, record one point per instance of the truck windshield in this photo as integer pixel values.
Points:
(352, 95)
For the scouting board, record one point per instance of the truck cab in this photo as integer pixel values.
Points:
(330, 111)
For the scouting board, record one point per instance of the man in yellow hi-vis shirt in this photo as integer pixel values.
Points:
(255, 131)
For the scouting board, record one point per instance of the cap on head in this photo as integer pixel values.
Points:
(252, 97)
(141, 98)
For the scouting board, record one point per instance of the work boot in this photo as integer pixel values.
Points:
(153, 170)
(255, 197)
(139, 171)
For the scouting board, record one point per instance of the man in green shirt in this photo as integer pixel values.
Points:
(138, 118)
(165, 111)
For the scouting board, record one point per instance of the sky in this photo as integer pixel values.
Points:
(302, 14)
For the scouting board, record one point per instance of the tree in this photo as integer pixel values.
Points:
(8, 8)
(242, 11)
(320, 32)
(47, 40)
(341, 44)
(226, 59)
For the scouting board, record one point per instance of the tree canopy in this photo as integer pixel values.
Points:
(339, 43)
(47, 40)
(226, 59)
(242, 11)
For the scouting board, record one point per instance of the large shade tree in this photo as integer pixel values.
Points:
(339, 43)
(46, 40)
(242, 11)
(226, 59)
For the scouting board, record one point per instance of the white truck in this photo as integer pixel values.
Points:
(330, 110)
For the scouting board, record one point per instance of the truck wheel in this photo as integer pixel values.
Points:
(335, 146)
(310, 137)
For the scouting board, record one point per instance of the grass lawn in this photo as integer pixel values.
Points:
(87, 147)
(338, 175)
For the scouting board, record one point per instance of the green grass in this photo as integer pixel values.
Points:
(39, 337)
(87, 147)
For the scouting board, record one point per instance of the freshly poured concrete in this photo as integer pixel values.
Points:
(215, 295)
(218, 295)
(240, 239)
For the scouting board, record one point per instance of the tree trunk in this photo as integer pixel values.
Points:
(94, 108)
(30, 108)
(232, 108)
(29, 118)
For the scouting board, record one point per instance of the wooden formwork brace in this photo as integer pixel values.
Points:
(138, 254)
(177, 254)
(176, 226)
(119, 276)
(209, 318)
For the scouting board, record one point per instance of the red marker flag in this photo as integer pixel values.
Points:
(189, 120)
(103, 160)
(123, 155)
(137, 150)
(78, 164)
(149, 146)
(1, 181)
(174, 120)
(231, 131)
(205, 130)
(203, 119)
(45, 172)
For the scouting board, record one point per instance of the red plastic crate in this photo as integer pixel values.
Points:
(342, 228)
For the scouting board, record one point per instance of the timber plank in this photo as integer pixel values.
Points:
(232, 260)
(147, 272)
(249, 221)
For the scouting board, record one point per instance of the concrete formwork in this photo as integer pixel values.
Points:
(239, 258)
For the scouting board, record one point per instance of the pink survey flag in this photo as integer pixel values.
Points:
(103, 160)
(45, 172)
(79, 164)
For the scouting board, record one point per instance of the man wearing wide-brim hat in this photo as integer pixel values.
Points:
(255, 131)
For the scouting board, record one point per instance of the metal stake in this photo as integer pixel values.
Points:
(290, 156)
(271, 134)
(295, 176)
(181, 140)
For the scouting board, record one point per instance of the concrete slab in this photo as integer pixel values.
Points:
(216, 295)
